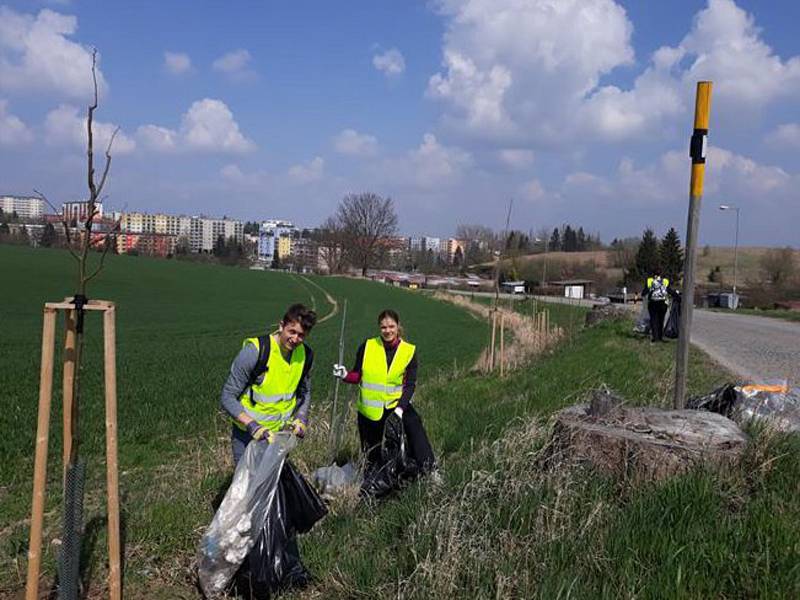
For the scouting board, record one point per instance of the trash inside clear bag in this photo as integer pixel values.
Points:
(239, 520)
(774, 403)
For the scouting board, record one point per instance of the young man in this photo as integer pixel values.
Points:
(269, 385)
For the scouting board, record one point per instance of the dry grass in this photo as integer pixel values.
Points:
(526, 337)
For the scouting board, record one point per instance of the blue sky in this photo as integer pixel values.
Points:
(579, 110)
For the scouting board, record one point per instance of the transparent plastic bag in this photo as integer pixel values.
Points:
(642, 324)
(240, 518)
(775, 402)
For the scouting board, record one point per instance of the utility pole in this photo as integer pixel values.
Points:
(697, 152)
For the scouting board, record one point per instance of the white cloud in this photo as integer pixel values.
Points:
(235, 64)
(352, 143)
(516, 158)
(787, 134)
(157, 138)
(391, 63)
(431, 165)
(233, 174)
(529, 72)
(177, 63)
(306, 173)
(12, 130)
(208, 126)
(509, 63)
(533, 190)
(726, 47)
(664, 181)
(65, 125)
(36, 55)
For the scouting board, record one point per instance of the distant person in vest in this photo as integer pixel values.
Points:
(657, 290)
(268, 388)
(386, 369)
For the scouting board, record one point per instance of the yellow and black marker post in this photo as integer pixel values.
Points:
(697, 152)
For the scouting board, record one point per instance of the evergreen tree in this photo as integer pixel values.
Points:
(48, 235)
(671, 255)
(570, 240)
(250, 228)
(555, 241)
(647, 259)
(582, 243)
(219, 246)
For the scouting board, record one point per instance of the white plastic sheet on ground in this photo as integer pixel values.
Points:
(240, 517)
(334, 480)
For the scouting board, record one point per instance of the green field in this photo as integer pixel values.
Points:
(179, 327)
(498, 526)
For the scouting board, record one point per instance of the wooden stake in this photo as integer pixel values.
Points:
(68, 383)
(502, 344)
(40, 461)
(491, 349)
(109, 340)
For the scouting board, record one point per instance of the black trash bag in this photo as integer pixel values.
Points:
(720, 401)
(672, 327)
(274, 562)
(396, 467)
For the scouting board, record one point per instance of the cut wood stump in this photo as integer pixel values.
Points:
(642, 443)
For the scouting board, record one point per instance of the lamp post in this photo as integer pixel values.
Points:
(735, 249)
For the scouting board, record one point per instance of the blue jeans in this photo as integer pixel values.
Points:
(239, 441)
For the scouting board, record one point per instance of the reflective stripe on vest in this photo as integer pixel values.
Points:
(272, 402)
(381, 388)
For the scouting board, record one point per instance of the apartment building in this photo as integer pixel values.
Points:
(79, 211)
(269, 235)
(26, 207)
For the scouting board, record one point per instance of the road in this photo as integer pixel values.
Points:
(756, 348)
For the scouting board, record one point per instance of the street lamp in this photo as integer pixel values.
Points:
(735, 249)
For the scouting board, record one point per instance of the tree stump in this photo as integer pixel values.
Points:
(643, 443)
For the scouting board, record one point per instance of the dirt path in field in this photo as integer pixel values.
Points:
(330, 299)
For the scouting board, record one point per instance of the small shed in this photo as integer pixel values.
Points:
(574, 288)
(513, 287)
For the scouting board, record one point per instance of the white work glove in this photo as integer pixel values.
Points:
(399, 412)
(339, 371)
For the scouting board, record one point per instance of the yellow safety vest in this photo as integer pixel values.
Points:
(272, 402)
(381, 388)
(664, 281)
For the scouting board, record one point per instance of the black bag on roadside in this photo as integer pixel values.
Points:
(274, 561)
(397, 466)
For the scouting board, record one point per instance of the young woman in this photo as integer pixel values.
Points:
(386, 371)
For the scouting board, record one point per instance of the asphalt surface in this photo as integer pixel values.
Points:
(756, 348)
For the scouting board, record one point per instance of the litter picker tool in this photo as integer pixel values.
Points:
(336, 424)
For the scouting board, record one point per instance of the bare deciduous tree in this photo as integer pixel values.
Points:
(73, 500)
(330, 240)
(367, 220)
(778, 266)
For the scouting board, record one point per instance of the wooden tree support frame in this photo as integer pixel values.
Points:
(51, 310)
